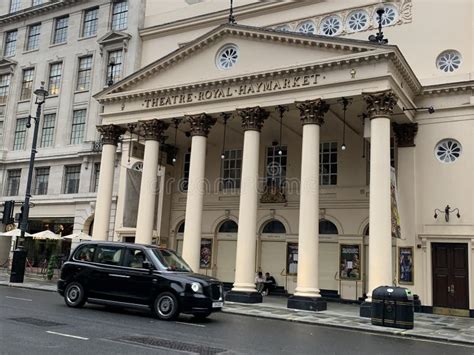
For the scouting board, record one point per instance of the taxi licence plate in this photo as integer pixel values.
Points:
(217, 304)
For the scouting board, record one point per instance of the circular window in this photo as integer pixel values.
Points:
(331, 26)
(449, 61)
(389, 16)
(227, 57)
(307, 27)
(357, 20)
(138, 166)
(448, 150)
(284, 28)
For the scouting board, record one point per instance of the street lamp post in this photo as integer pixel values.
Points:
(19, 255)
(112, 64)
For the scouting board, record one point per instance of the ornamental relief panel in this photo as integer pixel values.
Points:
(351, 20)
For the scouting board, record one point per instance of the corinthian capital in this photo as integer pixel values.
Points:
(312, 111)
(380, 103)
(200, 124)
(153, 129)
(252, 118)
(405, 134)
(110, 133)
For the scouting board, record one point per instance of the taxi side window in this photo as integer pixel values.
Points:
(109, 255)
(85, 253)
(135, 258)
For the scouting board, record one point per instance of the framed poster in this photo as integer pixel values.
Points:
(291, 258)
(349, 261)
(205, 259)
(405, 265)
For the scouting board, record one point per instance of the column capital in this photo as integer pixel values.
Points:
(153, 129)
(312, 111)
(405, 134)
(380, 103)
(200, 124)
(110, 133)
(252, 118)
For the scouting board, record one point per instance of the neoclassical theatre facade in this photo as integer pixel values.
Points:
(258, 149)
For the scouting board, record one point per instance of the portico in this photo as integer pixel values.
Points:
(188, 85)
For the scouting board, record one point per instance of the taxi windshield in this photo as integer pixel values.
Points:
(171, 261)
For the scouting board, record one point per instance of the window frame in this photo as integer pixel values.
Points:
(74, 137)
(117, 70)
(60, 39)
(275, 157)
(7, 50)
(35, 38)
(184, 184)
(231, 156)
(15, 5)
(25, 83)
(333, 149)
(37, 2)
(95, 177)
(56, 78)
(66, 174)
(88, 74)
(90, 23)
(49, 128)
(36, 187)
(116, 21)
(8, 184)
(5, 88)
(16, 145)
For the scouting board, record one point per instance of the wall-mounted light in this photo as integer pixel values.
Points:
(447, 211)
(430, 109)
(344, 102)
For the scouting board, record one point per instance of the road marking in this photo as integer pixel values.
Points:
(18, 298)
(67, 335)
(192, 324)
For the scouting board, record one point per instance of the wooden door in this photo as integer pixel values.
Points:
(450, 275)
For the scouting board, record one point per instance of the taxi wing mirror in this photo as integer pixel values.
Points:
(147, 265)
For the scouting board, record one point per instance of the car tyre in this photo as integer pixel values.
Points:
(166, 306)
(74, 295)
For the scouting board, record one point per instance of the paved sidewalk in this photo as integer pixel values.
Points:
(427, 326)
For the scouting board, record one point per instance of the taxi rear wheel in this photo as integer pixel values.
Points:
(74, 295)
(166, 306)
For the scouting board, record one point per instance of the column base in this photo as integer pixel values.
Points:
(365, 310)
(315, 304)
(243, 297)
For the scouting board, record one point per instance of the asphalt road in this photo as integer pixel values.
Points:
(38, 322)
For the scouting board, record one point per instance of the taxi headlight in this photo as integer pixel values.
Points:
(196, 287)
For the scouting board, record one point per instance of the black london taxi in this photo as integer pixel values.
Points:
(137, 275)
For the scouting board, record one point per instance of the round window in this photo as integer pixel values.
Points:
(331, 26)
(357, 21)
(389, 16)
(227, 57)
(449, 61)
(448, 150)
(307, 27)
(138, 166)
(284, 28)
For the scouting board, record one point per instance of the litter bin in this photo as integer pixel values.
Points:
(17, 272)
(392, 307)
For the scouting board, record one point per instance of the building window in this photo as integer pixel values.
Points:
(331, 26)
(41, 181)
(119, 15)
(307, 27)
(276, 166)
(274, 227)
(15, 5)
(448, 150)
(47, 133)
(27, 84)
(328, 163)
(4, 87)
(357, 21)
(227, 57)
(114, 72)
(184, 181)
(95, 182)
(20, 134)
(78, 126)
(13, 182)
(10, 43)
(84, 73)
(327, 227)
(71, 179)
(60, 30)
(449, 61)
(388, 17)
(89, 27)
(32, 42)
(231, 169)
(37, 2)
(55, 78)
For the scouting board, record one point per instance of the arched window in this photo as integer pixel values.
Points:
(366, 230)
(181, 227)
(228, 226)
(327, 227)
(274, 227)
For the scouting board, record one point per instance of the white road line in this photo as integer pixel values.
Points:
(18, 298)
(67, 335)
(192, 324)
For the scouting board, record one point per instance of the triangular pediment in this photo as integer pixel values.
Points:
(260, 51)
(113, 37)
(7, 65)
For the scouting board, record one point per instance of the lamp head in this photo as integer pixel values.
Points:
(41, 93)
(431, 110)
(112, 61)
(222, 156)
(343, 147)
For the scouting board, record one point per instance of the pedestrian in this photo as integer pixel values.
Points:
(259, 282)
(269, 284)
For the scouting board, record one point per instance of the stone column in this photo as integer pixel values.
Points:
(153, 131)
(244, 285)
(379, 108)
(110, 136)
(200, 126)
(307, 294)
